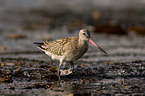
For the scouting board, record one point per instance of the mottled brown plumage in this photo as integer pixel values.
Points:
(68, 49)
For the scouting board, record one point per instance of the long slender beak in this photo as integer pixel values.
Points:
(90, 40)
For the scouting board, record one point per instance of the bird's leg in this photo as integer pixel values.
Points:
(72, 65)
(63, 71)
(68, 71)
(64, 64)
(61, 62)
(51, 61)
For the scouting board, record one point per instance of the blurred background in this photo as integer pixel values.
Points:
(118, 26)
(77, 13)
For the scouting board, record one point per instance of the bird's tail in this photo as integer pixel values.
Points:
(39, 45)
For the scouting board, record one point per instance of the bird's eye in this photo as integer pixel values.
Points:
(84, 33)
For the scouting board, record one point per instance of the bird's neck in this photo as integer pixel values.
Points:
(81, 42)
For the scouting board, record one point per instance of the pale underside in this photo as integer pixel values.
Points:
(67, 49)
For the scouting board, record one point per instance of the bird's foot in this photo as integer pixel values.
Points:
(66, 72)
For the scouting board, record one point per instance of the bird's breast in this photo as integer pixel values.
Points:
(77, 52)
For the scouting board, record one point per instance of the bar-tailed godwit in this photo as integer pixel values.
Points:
(68, 49)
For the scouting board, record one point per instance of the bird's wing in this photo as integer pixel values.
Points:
(59, 46)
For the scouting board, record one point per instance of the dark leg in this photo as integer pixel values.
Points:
(51, 61)
(72, 65)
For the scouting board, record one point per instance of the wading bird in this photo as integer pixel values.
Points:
(68, 49)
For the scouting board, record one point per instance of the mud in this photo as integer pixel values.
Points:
(22, 76)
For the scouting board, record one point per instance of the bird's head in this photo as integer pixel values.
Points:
(84, 35)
